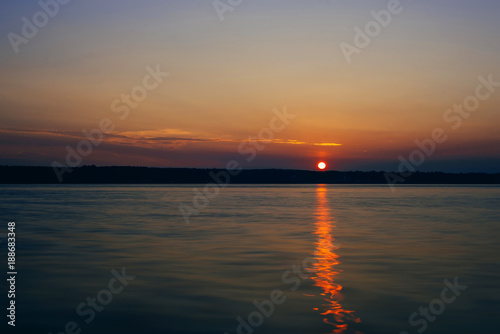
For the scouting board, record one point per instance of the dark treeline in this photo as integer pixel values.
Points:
(150, 175)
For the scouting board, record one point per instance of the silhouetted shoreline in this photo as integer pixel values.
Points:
(155, 175)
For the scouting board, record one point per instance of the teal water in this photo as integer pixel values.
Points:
(316, 258)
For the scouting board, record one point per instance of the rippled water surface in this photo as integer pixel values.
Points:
(257, 259)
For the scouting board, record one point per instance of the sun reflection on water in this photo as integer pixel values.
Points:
(325, 269)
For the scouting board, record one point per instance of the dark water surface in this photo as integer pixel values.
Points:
(313, 258)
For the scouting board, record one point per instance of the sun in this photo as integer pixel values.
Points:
(321, 165)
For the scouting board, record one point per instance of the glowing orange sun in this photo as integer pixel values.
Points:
(322, 165)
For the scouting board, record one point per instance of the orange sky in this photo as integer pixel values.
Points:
(226, 78)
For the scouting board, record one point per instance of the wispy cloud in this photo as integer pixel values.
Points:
(157, 133)
(327, 144)
(161, 137)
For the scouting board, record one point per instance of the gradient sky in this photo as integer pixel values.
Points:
(226, 77)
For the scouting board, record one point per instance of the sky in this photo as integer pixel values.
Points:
(224, 73)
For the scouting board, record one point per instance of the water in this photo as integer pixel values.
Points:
(332, 259)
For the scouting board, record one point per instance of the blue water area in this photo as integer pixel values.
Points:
(254, 259)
